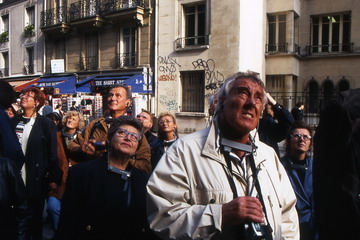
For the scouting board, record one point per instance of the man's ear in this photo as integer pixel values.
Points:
(128, 102)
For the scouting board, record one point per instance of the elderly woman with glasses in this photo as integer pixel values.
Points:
(105, 198)
(298, 165)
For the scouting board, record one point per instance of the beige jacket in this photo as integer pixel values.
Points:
(189, 185)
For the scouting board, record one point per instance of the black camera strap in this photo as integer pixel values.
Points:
(257, 186)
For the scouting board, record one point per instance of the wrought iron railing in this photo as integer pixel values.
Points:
(125, 60)
(29, 69)
(108, 6)
(53, 16)
(330, 48)
(89, 63)
(191, 41)
(276, 47)
(84, 9)
(4, 72)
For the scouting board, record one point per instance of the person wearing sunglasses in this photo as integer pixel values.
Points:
(105, 198)
(298, 165)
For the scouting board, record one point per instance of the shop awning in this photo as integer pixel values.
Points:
(61, 84)
(137, 83)
(20, 85)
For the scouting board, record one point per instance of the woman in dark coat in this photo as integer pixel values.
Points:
(37, 136)
(105, 198)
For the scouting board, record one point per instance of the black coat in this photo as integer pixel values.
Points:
(272, 132)
(41, 158)
(96, 205)
(336, 170)
(14, 211)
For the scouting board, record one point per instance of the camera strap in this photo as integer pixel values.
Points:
(257, 186)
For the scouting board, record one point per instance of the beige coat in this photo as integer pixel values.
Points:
(189, 185)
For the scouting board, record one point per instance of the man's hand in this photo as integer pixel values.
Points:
(242, 209)
(271, 100)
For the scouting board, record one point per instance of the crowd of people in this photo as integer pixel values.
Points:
(118, 178)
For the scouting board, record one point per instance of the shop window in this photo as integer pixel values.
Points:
(4, 34)
(193, 91)
(331, 33)
(277, 33)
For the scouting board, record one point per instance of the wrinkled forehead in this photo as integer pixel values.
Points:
(118, 90)
(248, 83)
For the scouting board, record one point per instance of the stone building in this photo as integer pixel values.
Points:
(304, 51)
(21, 42)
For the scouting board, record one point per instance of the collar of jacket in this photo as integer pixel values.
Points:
(212, 147)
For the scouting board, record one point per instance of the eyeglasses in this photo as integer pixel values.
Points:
(163, 122)
(134, 137)
(26, 96)
(297, 136)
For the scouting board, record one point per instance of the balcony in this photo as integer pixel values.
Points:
(192, 42)
(330, 49)
(54, 20)
(89, 63)
(124, 60)
(123, 10)
(4, 72)
(28, 69)
(276, 47)
(85, 14)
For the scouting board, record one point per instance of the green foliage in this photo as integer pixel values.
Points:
(29, 30)
(4, 37)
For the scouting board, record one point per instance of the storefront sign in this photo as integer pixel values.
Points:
(101, 83)
(48, 84)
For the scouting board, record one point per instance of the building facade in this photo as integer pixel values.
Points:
(200, 44)
(305, 51)
(99, 39)
(21, 43)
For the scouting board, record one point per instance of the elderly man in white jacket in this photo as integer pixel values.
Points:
(219, 183)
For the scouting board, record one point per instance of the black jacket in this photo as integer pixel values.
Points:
(14, 211)
(336, 169)
(272, 132)
(41, 158)
(97, 204)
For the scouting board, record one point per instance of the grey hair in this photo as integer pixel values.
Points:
(226, 87)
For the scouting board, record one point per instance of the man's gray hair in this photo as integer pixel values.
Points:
(226, 87)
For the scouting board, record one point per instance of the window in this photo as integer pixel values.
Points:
(313, 96)
(343, 85)
(30, 16)
(193, 91)
(4, 70)
(195, 25)
(275, 83)
(29, 66)
(331, 33)
(328, 91)
(128, 54)
(5, 23)
(90, 61)
(277, 33)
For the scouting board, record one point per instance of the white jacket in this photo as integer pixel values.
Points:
(189, 185)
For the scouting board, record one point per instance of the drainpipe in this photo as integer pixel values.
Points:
(156, 7)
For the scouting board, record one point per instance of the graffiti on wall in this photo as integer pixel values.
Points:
(214, 79)
(170, 104)
(167, 68)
